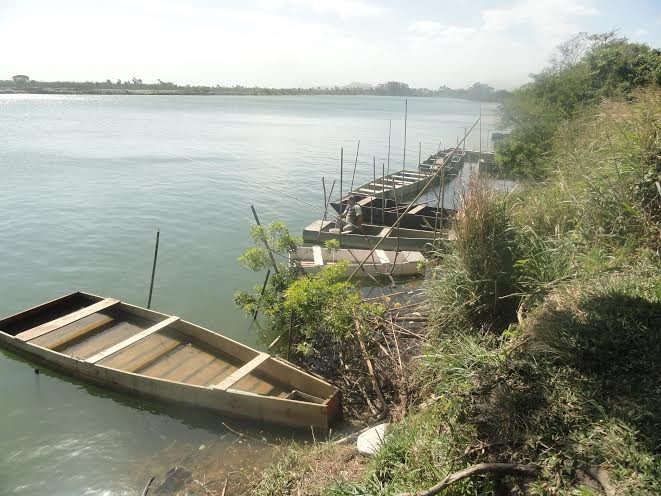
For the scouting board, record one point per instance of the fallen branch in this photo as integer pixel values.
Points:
(480, 468)
(370, 367)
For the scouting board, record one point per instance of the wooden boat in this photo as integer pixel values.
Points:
(312, 258)
(399, 239)
(402, 183)
(140, 351)
(453, 161)
(382, 212)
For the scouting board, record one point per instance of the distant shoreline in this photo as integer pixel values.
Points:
(476, 92)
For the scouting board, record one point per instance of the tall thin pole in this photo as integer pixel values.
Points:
(341, 197)
(266, 243)
(389, 134)
(479, 157)
(355, 164)
(153, 268)
(406, 112)
(374, 186)
(419, 153)
(383, 193)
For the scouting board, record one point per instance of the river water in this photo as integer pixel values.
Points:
(87, 180)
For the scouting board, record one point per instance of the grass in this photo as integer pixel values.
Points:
(545, 327)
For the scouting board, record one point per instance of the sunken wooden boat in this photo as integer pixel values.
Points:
(403, 263)
(135, 350)
(399, 239)
(380, 212)
(399, 185)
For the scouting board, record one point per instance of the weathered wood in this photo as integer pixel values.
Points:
(242, 372)
(67, 319)
(132, 340)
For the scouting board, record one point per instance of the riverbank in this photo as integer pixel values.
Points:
(538, 373)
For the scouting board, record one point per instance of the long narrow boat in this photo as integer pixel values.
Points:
(403, 263)
(140, 351)
(382, 212)
(402, 183)
(399, 239)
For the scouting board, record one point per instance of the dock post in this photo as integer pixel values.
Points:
(266, 244)
(153, 268)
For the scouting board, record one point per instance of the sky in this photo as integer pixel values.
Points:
(304, 43)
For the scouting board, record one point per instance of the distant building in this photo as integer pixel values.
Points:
(20, 78)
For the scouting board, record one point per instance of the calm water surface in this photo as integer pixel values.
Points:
(86, 181)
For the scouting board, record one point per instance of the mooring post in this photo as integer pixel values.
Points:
(153, 268)
(266, 244)
(406, 114)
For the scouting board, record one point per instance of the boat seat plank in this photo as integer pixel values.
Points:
(35, 332)
(382, 256)
(384, 232)
(59, 337)
(242, 372)
(367, 200)
(134, 339)
(416, 209)
(318, 257)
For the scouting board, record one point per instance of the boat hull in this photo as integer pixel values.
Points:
(322, 231)
(229, 401)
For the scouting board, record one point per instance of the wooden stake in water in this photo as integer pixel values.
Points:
(373, 187)
(389, 134)
(355, 164)
(153, 268)
(406, 114)
(266, 244)
(341, 197)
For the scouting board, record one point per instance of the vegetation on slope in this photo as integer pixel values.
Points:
(546, 317)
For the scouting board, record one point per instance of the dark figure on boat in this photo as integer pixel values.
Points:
(354, 215)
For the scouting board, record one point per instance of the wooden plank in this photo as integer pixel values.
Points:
(131, 340)
(242, 372)
(366, 200)
(35, 332)
(416, 209)
(59, 337)
(382, 256)
(384, 231)
(316, 253)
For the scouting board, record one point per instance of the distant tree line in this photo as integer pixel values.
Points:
(477, 91)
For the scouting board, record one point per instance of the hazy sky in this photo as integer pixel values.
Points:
(304, 42)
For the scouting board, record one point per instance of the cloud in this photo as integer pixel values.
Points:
(344, 9)
(551, 20)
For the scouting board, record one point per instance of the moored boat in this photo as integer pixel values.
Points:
(386, 212)
(400, 184)
(404, 263)
(141, 351)
(369, 235)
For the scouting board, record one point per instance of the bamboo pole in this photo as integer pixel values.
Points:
(406, 112)
(153, 268)
(410, 205)
(374, 183)
(323, 219)
(341, 197)
(389, 134)
(266, 244)
(355, 164)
